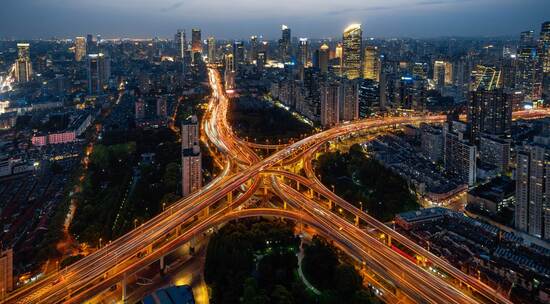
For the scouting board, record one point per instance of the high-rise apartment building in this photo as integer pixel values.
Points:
(330, 100)
(139, 109)
(349, 100)
(443, 73)
(459, 156)
(162, 107)
(191, 164)
(371, 68)
(79, 48)
(489, 112)
(351, 53)
(23, 66)
(532, 211)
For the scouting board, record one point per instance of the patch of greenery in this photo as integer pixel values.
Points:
(261, 120)
(357, 178)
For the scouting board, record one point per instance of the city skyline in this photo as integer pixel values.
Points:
(144, 19)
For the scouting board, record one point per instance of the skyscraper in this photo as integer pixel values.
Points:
(91, 44)
(371, 69)
(532, 213)
(196, 42)
(23, 67)
(191, 164)
(527, 39)
(351, 53)
(162, 107)
(330, 100)
(99, 72)
(528, 76)
(443, 73)
(544, 46)
(229, 73)
(211, 49)
(181, 43)
(324, 53)
(79, 48)
(254, 49)
(285, 47)
(304, 52)
(238, 52)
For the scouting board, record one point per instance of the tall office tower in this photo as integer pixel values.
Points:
(139, 109)
(99, 72)
(338, 51)
(23, 66)
(420, 70)
(410, 93)
(330, 100)
(180, 43)
(351, 53)
(229, 74)
(211, 45)
(528, 76)
(254, 49)
(303, 57)
(196, 42)
(191, 165)
(489, 112)
(369, 98)
(162, 107)
(544, 46)
(532, 211)
(238, 52)
(371, 68)
(443, 73)
(285, 46)
(261, 60)
(349, 100)
(527, 39)
(79, 48)
(324, 53)
(91, 44)
(459, 156)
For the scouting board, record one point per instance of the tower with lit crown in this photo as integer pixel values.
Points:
(351, 52)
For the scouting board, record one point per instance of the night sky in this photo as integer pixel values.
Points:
(26, 19)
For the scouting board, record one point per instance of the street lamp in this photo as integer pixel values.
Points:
(361, 204)
(163, 206)
(99, 243)
(135, 223)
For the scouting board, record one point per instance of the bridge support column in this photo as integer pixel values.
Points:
(389, 240)
(298, 185)
(230, 197)
(329, 204)
(284, 205)
(311, 193)
(357, 220)
(162, 265)
(149, 249)
(123, 286)
(178, 230)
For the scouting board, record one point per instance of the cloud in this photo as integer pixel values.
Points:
(172, 7)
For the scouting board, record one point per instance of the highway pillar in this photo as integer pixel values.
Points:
(178, 230)
(149, 249)
(298, 185)
(284, 205)
(389, 240)
(162, 265)
(329, 204)
(357, 220)
(311, 193)
(123, 286)
(230, 197)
